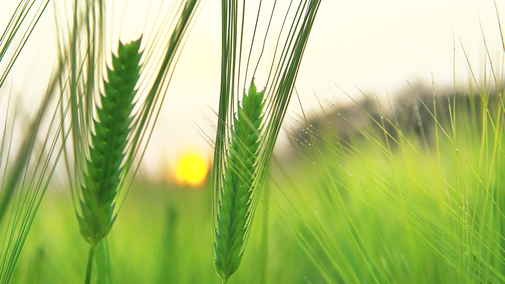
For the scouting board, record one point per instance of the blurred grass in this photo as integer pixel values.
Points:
(349, 207)
(162, 236)
(403, 197)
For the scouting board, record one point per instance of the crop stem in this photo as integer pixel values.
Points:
(90, 264)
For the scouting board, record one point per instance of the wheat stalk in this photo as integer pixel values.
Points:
(108, 142)
(238, 184)
(107, 147)
(244, 161)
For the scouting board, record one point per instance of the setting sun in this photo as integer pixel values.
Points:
(191, 169)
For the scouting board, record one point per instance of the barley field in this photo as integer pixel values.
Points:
(403, 188)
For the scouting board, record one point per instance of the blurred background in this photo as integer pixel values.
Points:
(375, 47)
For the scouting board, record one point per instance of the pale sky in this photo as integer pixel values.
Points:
(376, 46)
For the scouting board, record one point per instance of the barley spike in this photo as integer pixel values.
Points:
(108, 143)
(238, 183)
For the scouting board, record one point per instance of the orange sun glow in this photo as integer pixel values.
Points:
(191, 169)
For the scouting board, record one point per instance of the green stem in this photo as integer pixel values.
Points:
(90, 264)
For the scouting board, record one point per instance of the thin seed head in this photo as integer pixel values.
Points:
(237, 190)
(108, 143)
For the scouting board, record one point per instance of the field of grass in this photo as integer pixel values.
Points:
(365, 211)
(405, 191)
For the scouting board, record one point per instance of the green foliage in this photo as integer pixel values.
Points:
(27, 165)
(161, 236)
(407, 198)
(398, 205)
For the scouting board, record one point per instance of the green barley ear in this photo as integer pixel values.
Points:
(245, 140)
(107, 148)
(108, 143)
(238, 184)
